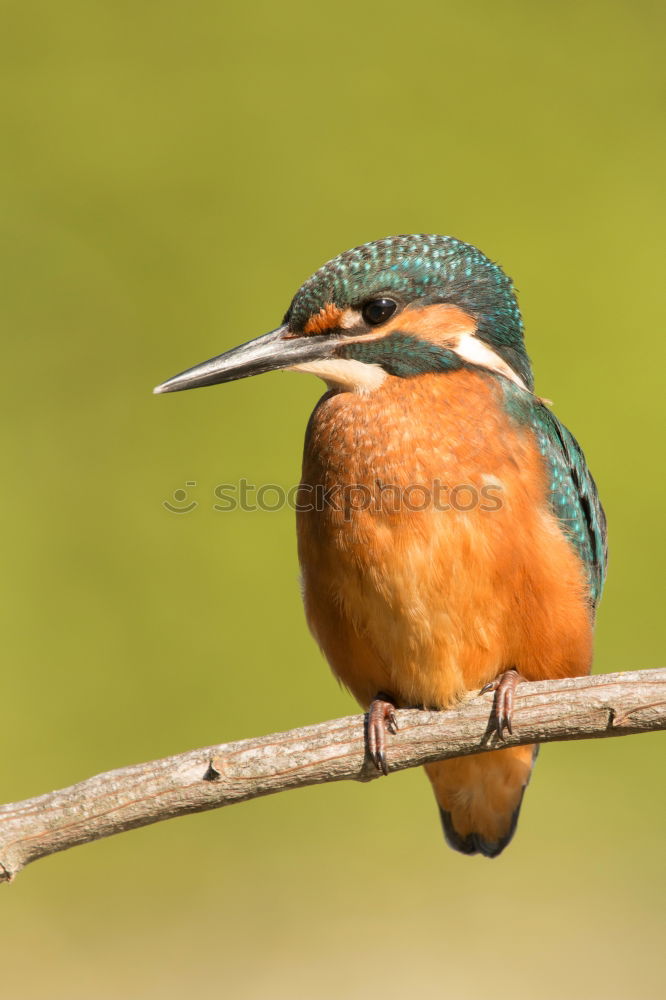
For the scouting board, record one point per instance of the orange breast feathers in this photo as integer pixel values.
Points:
(431, 562)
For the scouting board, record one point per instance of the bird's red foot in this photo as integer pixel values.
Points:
(504, 687)
(381, 719)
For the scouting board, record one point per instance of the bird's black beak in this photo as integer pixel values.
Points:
(275, 350)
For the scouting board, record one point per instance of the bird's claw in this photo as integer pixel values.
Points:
(504, 687)
(381, 719)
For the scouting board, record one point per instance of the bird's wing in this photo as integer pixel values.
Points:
(573, 496)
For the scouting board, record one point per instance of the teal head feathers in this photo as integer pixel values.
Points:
(422, 270)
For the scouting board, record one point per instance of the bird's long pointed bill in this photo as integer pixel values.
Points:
(273, 351)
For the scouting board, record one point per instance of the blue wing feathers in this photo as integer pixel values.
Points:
(573, 493)
(574, 496)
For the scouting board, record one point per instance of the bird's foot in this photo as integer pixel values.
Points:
(381, 719)
(504, 687)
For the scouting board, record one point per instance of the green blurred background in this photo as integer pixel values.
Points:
(171, 172)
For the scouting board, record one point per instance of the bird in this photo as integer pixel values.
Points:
(450, 534)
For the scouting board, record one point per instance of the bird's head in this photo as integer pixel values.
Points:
(403, 306)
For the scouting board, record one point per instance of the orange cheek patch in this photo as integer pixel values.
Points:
(437, 323)
(328, 318)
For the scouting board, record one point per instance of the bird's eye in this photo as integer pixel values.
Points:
(377, 311)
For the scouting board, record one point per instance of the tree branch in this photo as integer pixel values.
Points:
(572, 709)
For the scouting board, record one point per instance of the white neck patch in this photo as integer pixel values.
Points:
(470, 348)
(345, 373)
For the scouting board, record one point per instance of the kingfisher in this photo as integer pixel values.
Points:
(450, 534)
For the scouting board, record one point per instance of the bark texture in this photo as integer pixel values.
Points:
(110, 803)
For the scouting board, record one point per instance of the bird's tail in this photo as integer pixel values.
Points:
(479, 797)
